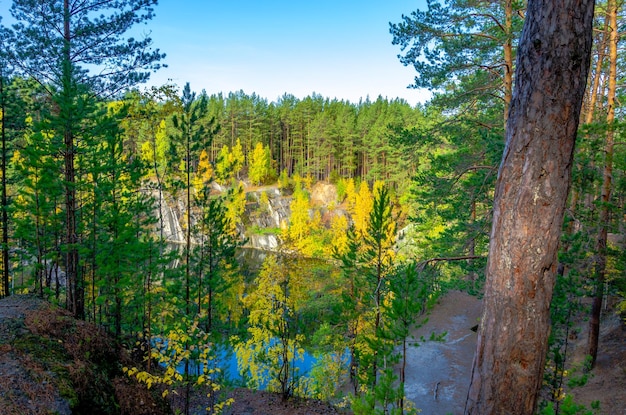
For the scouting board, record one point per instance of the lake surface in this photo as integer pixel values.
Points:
(226, 360)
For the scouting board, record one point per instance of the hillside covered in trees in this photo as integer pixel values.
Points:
(376, 207)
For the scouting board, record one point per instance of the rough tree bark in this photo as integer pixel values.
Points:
(533, 183)
(605, 197)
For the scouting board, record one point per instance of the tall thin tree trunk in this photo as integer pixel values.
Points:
(94, 231)
(148, 332)
(117, 274)
(75, 288)
(508, 58)
(605, 198)
(597, 75)
(188, 234)
(210, 283)
(531, 192)
(5, 217)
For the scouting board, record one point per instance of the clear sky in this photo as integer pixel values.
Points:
(337, 48)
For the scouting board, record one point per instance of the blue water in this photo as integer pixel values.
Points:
(226, 360)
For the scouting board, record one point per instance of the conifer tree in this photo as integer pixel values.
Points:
(378, 257)
(533, 183)
(367, 264)
(37, 220)
(193, 130)
(600, 268)
(214, 259)
(122, 217)
(55, 42)
(465, 53)
(192, 133)
(410, 292)
(13, 115)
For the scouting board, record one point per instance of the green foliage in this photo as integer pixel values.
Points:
(93, 34)
(440, 160)
(283, 179)
(570, 407)
(235, 206)
(341, 186)
(126, 61)
(383, 399)
(184, 347)
(328, 375)
(381, 304)
(123, 217)
(456, 47)
(229, 163)
(257, 230)
(268, 357)
(216, 273)
(464, 52)
(154, 151)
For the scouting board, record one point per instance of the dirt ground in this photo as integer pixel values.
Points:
(264, 403)
(607, 381)
(438, 372)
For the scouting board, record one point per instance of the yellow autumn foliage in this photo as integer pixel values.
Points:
(363, 204)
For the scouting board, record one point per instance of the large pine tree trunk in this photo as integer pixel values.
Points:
(532, 188)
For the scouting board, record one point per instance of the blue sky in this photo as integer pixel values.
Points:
(337, 48)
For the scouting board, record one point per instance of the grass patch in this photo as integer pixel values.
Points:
(257, 230)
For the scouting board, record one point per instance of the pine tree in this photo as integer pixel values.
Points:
(65, 33)
(463, 52)
(378, 255)
(38, 222)
(531, 194)
(13, 115)
(214, 260)
(191, 133)
(367, 265)
(600, 269)
(410, 292)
